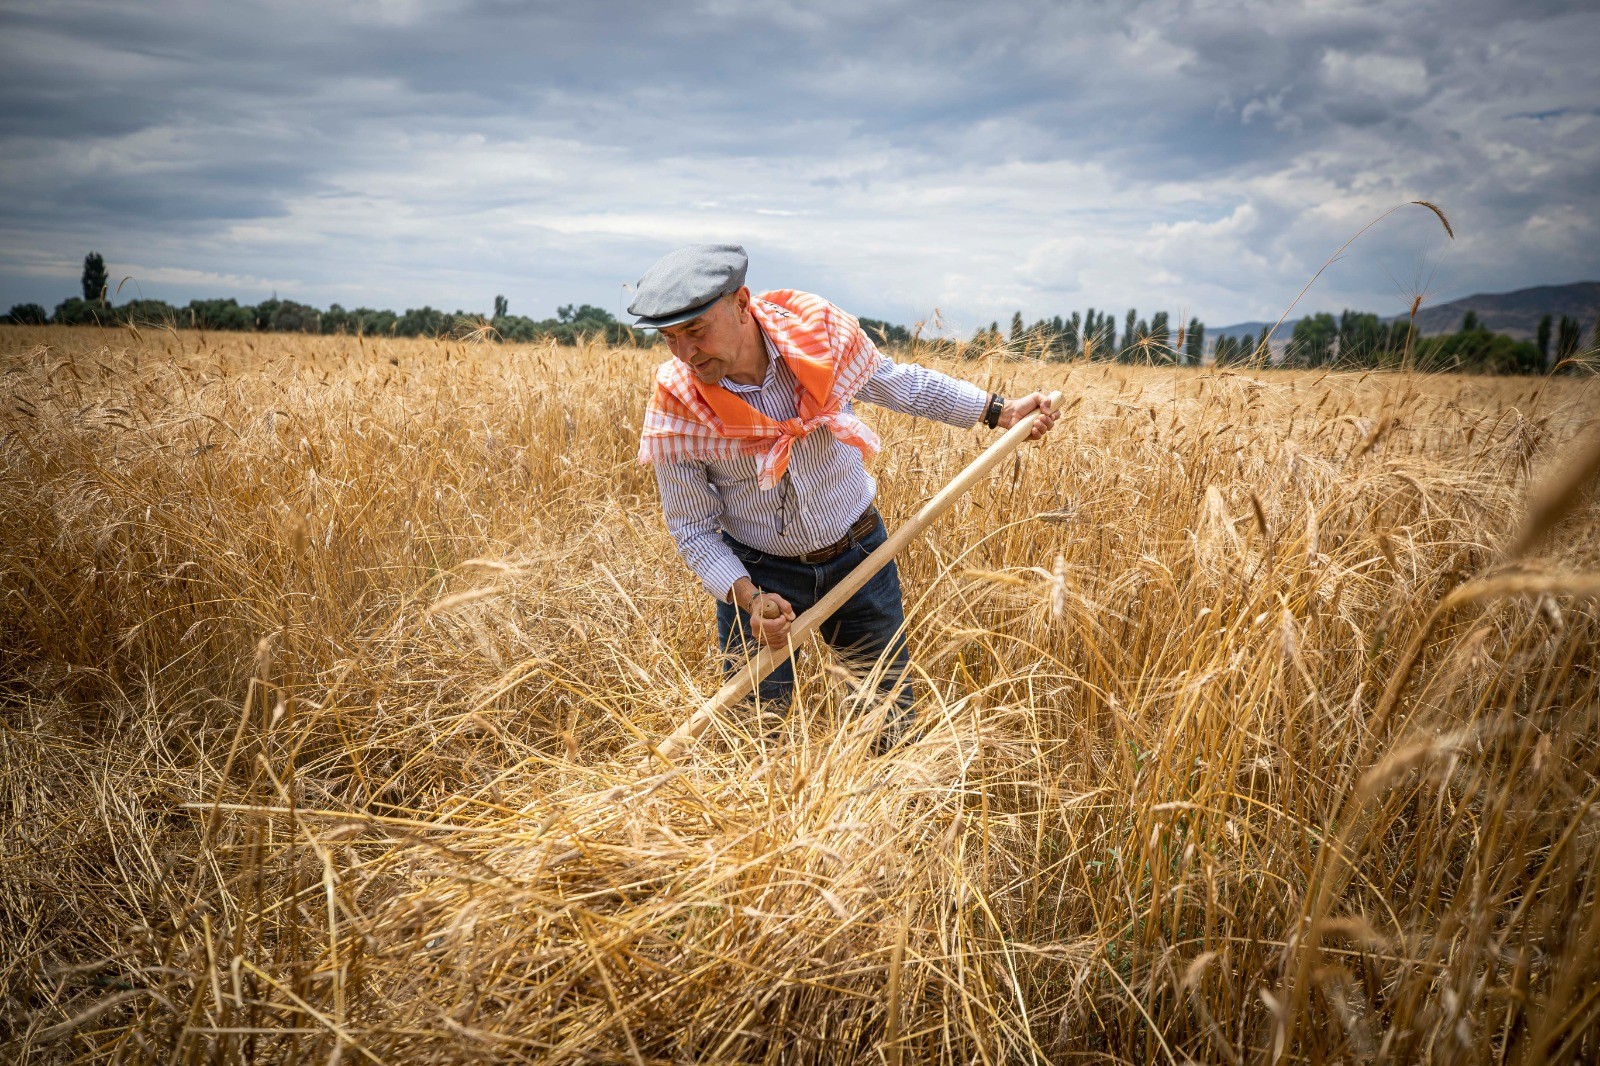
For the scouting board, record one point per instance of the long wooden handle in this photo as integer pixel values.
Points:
(751, 674)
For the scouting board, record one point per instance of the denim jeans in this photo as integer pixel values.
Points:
(866, 629)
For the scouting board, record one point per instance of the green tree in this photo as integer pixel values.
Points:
(148, 313)
(1016, 327)
(1397, 342)
(984, 339)
(28, 315)
(1263, 348)
(1542, 341)
(75, 312)
(1195, 342)
(1568, 337)
(218, 315)
(1312, 341)
(1130, 335)
(375, 320)
(589, 321)
(95, 278)
(1477, 350)
(292, 317)
(334, 320)
(1473, 345)
(501, 307)
(1362, 336)
(1224, 354)
(423, 321)
(1160, 338)
(885, 332)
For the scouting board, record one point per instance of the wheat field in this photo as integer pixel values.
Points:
(1257, 722)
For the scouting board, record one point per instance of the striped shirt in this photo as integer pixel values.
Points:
(825, 490)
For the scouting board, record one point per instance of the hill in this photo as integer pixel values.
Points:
(1252, 330)
(1515, 314)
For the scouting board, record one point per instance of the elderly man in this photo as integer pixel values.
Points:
(760, 458)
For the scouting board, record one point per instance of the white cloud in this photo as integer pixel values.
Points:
(1198, 156)
(139, 275)
(1396, 77)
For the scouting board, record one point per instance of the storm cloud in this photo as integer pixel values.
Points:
(899, 157)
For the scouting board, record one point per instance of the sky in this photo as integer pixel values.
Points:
(904, 159)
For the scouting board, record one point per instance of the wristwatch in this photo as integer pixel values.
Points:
(991, 414)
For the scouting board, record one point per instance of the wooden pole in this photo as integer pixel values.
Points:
(757, 668)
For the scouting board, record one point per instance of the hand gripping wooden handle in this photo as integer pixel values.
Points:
(762, 664)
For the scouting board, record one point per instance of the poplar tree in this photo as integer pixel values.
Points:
(1161, 337)
(95, 279)
(1568, 336)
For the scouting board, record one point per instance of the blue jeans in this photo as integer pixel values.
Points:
(867, 629)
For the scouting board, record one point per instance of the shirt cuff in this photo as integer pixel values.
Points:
(721, 572)
(967, 404)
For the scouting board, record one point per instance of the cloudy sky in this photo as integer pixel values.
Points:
(898, 156)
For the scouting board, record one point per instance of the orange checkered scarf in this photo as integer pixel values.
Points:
(830, 357)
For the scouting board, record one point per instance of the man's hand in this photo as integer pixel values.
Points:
(1016, 410)
(770, 614)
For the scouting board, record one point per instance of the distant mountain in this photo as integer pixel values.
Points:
(1241, 330)
(1515, 314)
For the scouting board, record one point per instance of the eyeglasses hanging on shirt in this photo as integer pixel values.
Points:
(788, 506)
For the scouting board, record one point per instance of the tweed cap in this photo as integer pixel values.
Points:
(685, 283)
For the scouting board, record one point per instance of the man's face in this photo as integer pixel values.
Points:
(709, 342)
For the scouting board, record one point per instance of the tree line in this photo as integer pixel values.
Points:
(1093, 335)
(1355, 339)
(95, 308)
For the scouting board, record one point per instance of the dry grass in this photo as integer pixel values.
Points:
(1242, 737)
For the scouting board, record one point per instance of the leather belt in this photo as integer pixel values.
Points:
(862, 527)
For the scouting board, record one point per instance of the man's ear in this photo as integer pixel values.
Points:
(741, 300)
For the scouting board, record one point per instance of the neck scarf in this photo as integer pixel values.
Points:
(830, 357)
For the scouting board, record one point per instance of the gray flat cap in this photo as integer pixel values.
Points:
(685, 283)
